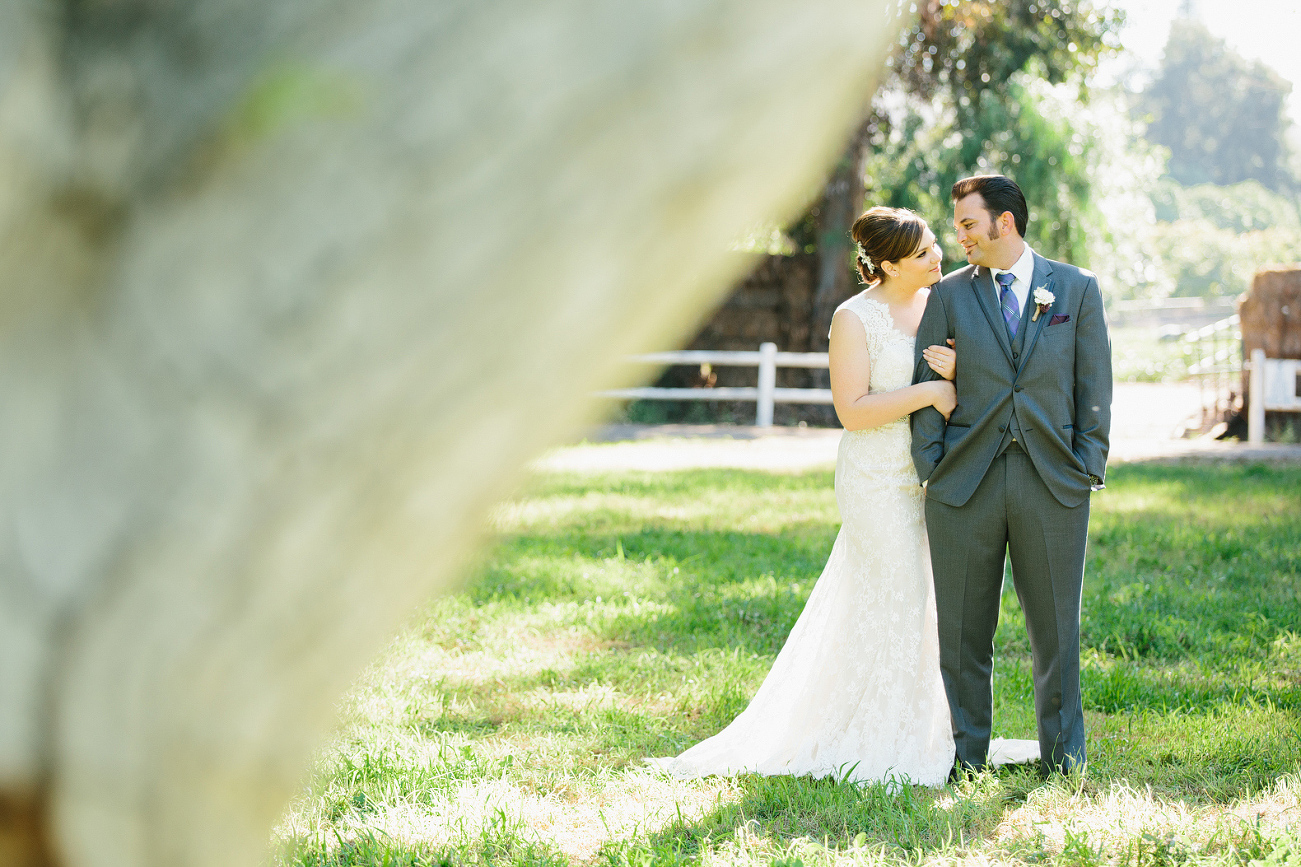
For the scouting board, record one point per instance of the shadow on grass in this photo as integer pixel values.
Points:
(676, 483)
(782, 818)
(578, 565)
(1121, 686)
(1227, 751)
(1190, 612)
(775, 813)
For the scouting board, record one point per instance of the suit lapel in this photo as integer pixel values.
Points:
(1043, 279)
(982, 284)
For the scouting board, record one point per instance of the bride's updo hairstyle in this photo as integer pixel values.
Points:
(885, 235)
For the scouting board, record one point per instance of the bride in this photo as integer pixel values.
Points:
(856, 691)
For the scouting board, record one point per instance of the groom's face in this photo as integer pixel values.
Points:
(981, 236)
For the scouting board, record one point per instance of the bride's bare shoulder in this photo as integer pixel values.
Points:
(847, 321)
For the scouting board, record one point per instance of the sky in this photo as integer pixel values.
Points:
(1265, 30)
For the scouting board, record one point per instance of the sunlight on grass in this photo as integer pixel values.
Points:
(630, 615)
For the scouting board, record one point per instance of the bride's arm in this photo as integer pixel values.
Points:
(851, 375)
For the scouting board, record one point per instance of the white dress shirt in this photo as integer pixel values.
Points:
(1023, 272)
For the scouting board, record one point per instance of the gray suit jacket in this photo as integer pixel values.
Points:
(1058, 389)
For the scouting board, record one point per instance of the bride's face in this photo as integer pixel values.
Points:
(922, 268)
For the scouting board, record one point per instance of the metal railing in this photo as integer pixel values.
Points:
(1213, 356)
(765, 394)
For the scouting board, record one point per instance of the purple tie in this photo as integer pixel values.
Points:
(1007, 300)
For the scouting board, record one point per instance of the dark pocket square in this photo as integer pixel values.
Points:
(1059, 319)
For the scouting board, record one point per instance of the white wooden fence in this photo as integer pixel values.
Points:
(1277, 381)
(1275, 385)
(765, 395)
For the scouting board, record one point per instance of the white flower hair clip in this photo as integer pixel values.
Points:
(865, 259)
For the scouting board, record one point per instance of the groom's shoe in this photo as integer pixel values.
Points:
(1068, 770)
(961, 772)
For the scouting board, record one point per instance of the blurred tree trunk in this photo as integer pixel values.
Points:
(836, 212)
(840, 204)
(268, 358)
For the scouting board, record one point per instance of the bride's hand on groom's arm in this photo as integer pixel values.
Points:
(945, 396)
(942, 359)
(928, 423)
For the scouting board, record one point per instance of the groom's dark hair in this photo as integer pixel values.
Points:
(1000, 194)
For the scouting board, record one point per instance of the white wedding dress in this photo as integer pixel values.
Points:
(856, 691)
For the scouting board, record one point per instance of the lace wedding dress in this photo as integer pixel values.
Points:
(855, 692)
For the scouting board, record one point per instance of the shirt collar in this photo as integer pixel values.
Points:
(1022, 269)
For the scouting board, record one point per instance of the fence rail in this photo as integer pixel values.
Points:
(1214, 354)
(765, 395)
(1275, 386)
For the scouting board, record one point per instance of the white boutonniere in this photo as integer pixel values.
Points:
(1043, 299)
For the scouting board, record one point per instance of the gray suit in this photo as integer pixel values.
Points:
(1008, 476)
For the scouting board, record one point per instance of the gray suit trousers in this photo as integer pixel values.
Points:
(1011, 511)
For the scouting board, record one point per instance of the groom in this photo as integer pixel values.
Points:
(1010, 473)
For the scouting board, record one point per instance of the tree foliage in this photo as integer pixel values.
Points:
(1226, 209)
(973, 94)
(1212, 239)
(1223, 118)
(954, 83)
(963, 96)
(972, 48)
(1017, 133)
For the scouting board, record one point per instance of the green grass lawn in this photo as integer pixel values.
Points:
(631, 615)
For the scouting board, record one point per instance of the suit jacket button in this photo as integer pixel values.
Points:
(1018, 388)
(1015, 355)
(1002, 428)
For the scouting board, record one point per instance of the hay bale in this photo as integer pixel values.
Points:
(1271, 314)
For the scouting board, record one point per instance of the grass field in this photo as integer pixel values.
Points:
(630, 615)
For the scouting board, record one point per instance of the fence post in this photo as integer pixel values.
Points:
(1256, 388)
(767, 384)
